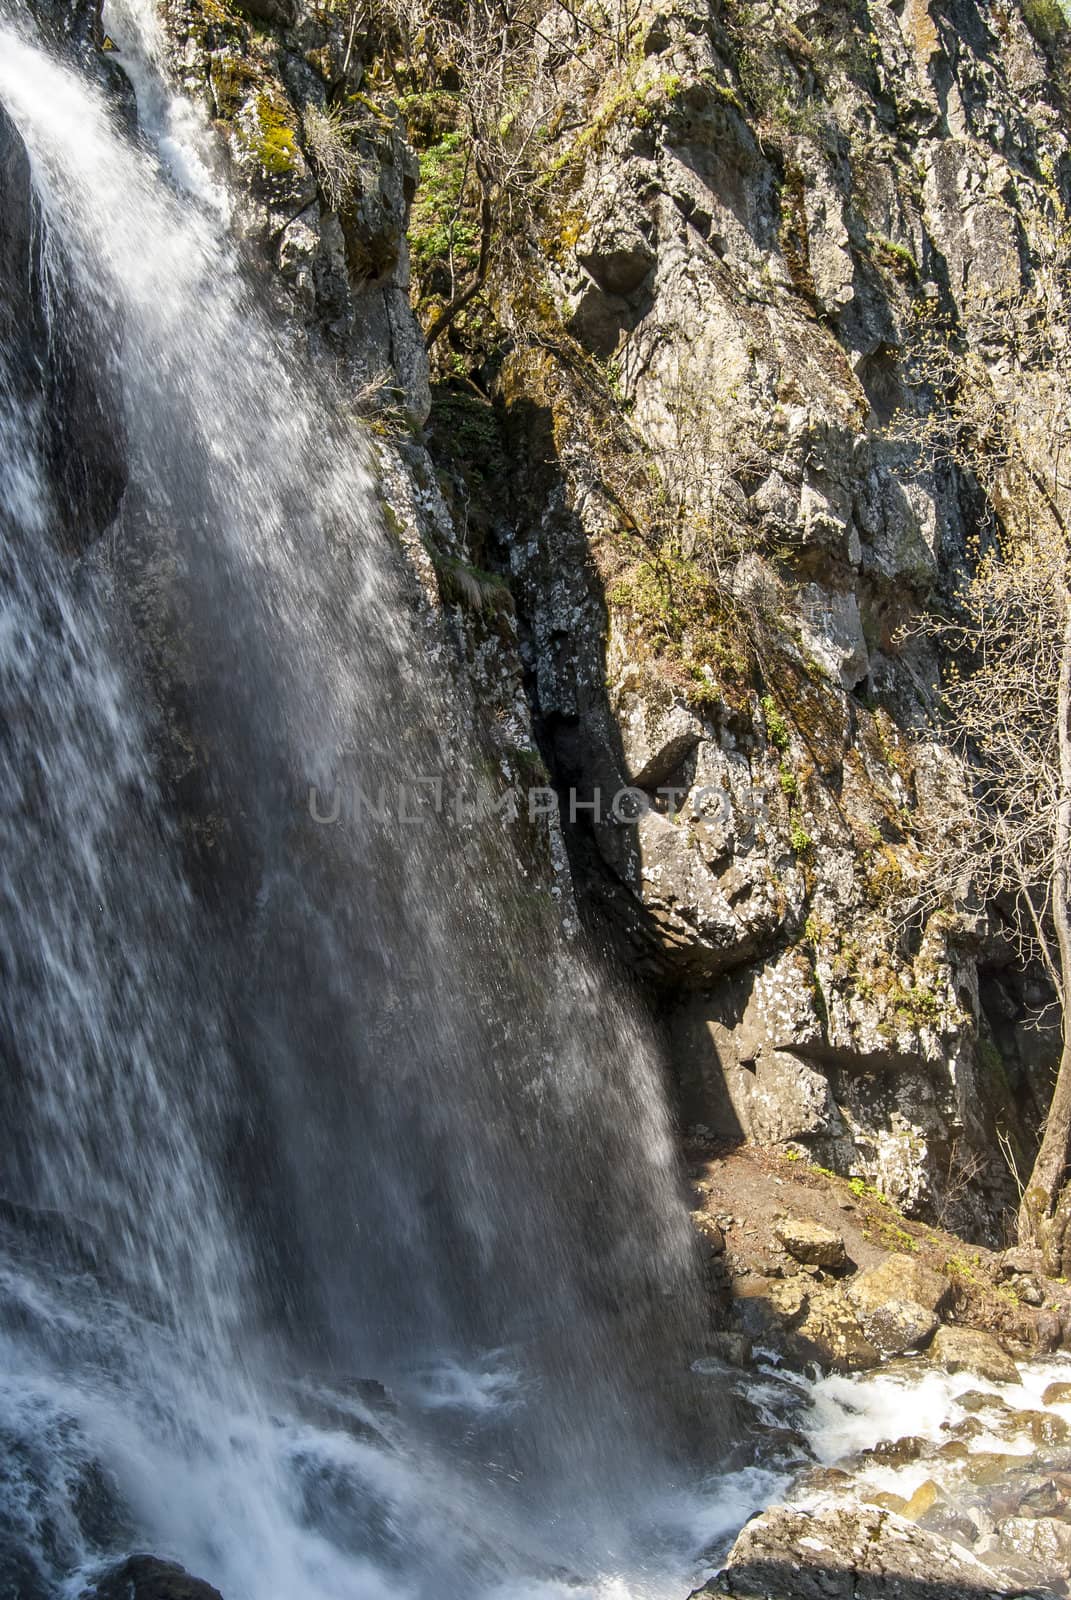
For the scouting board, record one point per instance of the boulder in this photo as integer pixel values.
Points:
(709, 1231)
(1043, 1427)
(826, 1330)
(970, 1350)
(735, 1349)
(1057, 1394)
(831, 1550)
(895, 1452)
(898, 1303)
(885, 1499)
(148, 1578)
(978, 1401)
(1020, 1261)
(1049, 1332)
(812, 1244)
(924, 1499)
(1044, 1540)
(987, 1468)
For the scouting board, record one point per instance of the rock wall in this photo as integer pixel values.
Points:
(743, 215)
(765, 203)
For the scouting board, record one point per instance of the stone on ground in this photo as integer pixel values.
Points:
(148, 1578)
(811, 1243)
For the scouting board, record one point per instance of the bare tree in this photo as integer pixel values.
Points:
(1005, 421)
(488, 50)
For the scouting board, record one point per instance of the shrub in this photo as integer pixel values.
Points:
(329, 141)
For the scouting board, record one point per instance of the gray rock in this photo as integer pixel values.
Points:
(617, 255)
(1045, 1541)
(833, 1550)
(1020, 1261)
(734, 1348)
(811, 1243)
(969, 1350)
(898, 1303)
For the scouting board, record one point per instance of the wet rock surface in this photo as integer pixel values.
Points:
(62, 351)
(984, 1488)
(144, 1577)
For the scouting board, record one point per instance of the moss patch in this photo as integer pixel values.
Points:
(676, 611)
(267, 136)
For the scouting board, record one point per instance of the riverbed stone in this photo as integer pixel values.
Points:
(895, 1452)
(977, 1401)
(924, 1498)
(971, 1350)
(1045, 1540)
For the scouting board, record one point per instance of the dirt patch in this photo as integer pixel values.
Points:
(742, 1194)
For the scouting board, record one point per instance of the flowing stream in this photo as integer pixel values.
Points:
(290, 1112)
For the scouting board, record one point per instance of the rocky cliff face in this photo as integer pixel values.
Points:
(661, 503)
(775, 197)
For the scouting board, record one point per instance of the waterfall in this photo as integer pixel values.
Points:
(289, 1108)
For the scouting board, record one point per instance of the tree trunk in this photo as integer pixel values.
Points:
(1045, 1215)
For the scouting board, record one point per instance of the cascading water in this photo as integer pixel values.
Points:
(287, 1106)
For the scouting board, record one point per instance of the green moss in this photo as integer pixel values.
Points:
(776, 727)
(799, 838)
(863, 1190)
(884, 875)
(1047, 20)
(916, 1005)
(643, 105)
(268, 137)
(894, 1237)
(898, 258)
(366, 103)
(681, 614)
(232, 81)
(964, 1267)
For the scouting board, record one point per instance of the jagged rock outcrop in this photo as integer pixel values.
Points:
(334, 235)
(763, 203)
